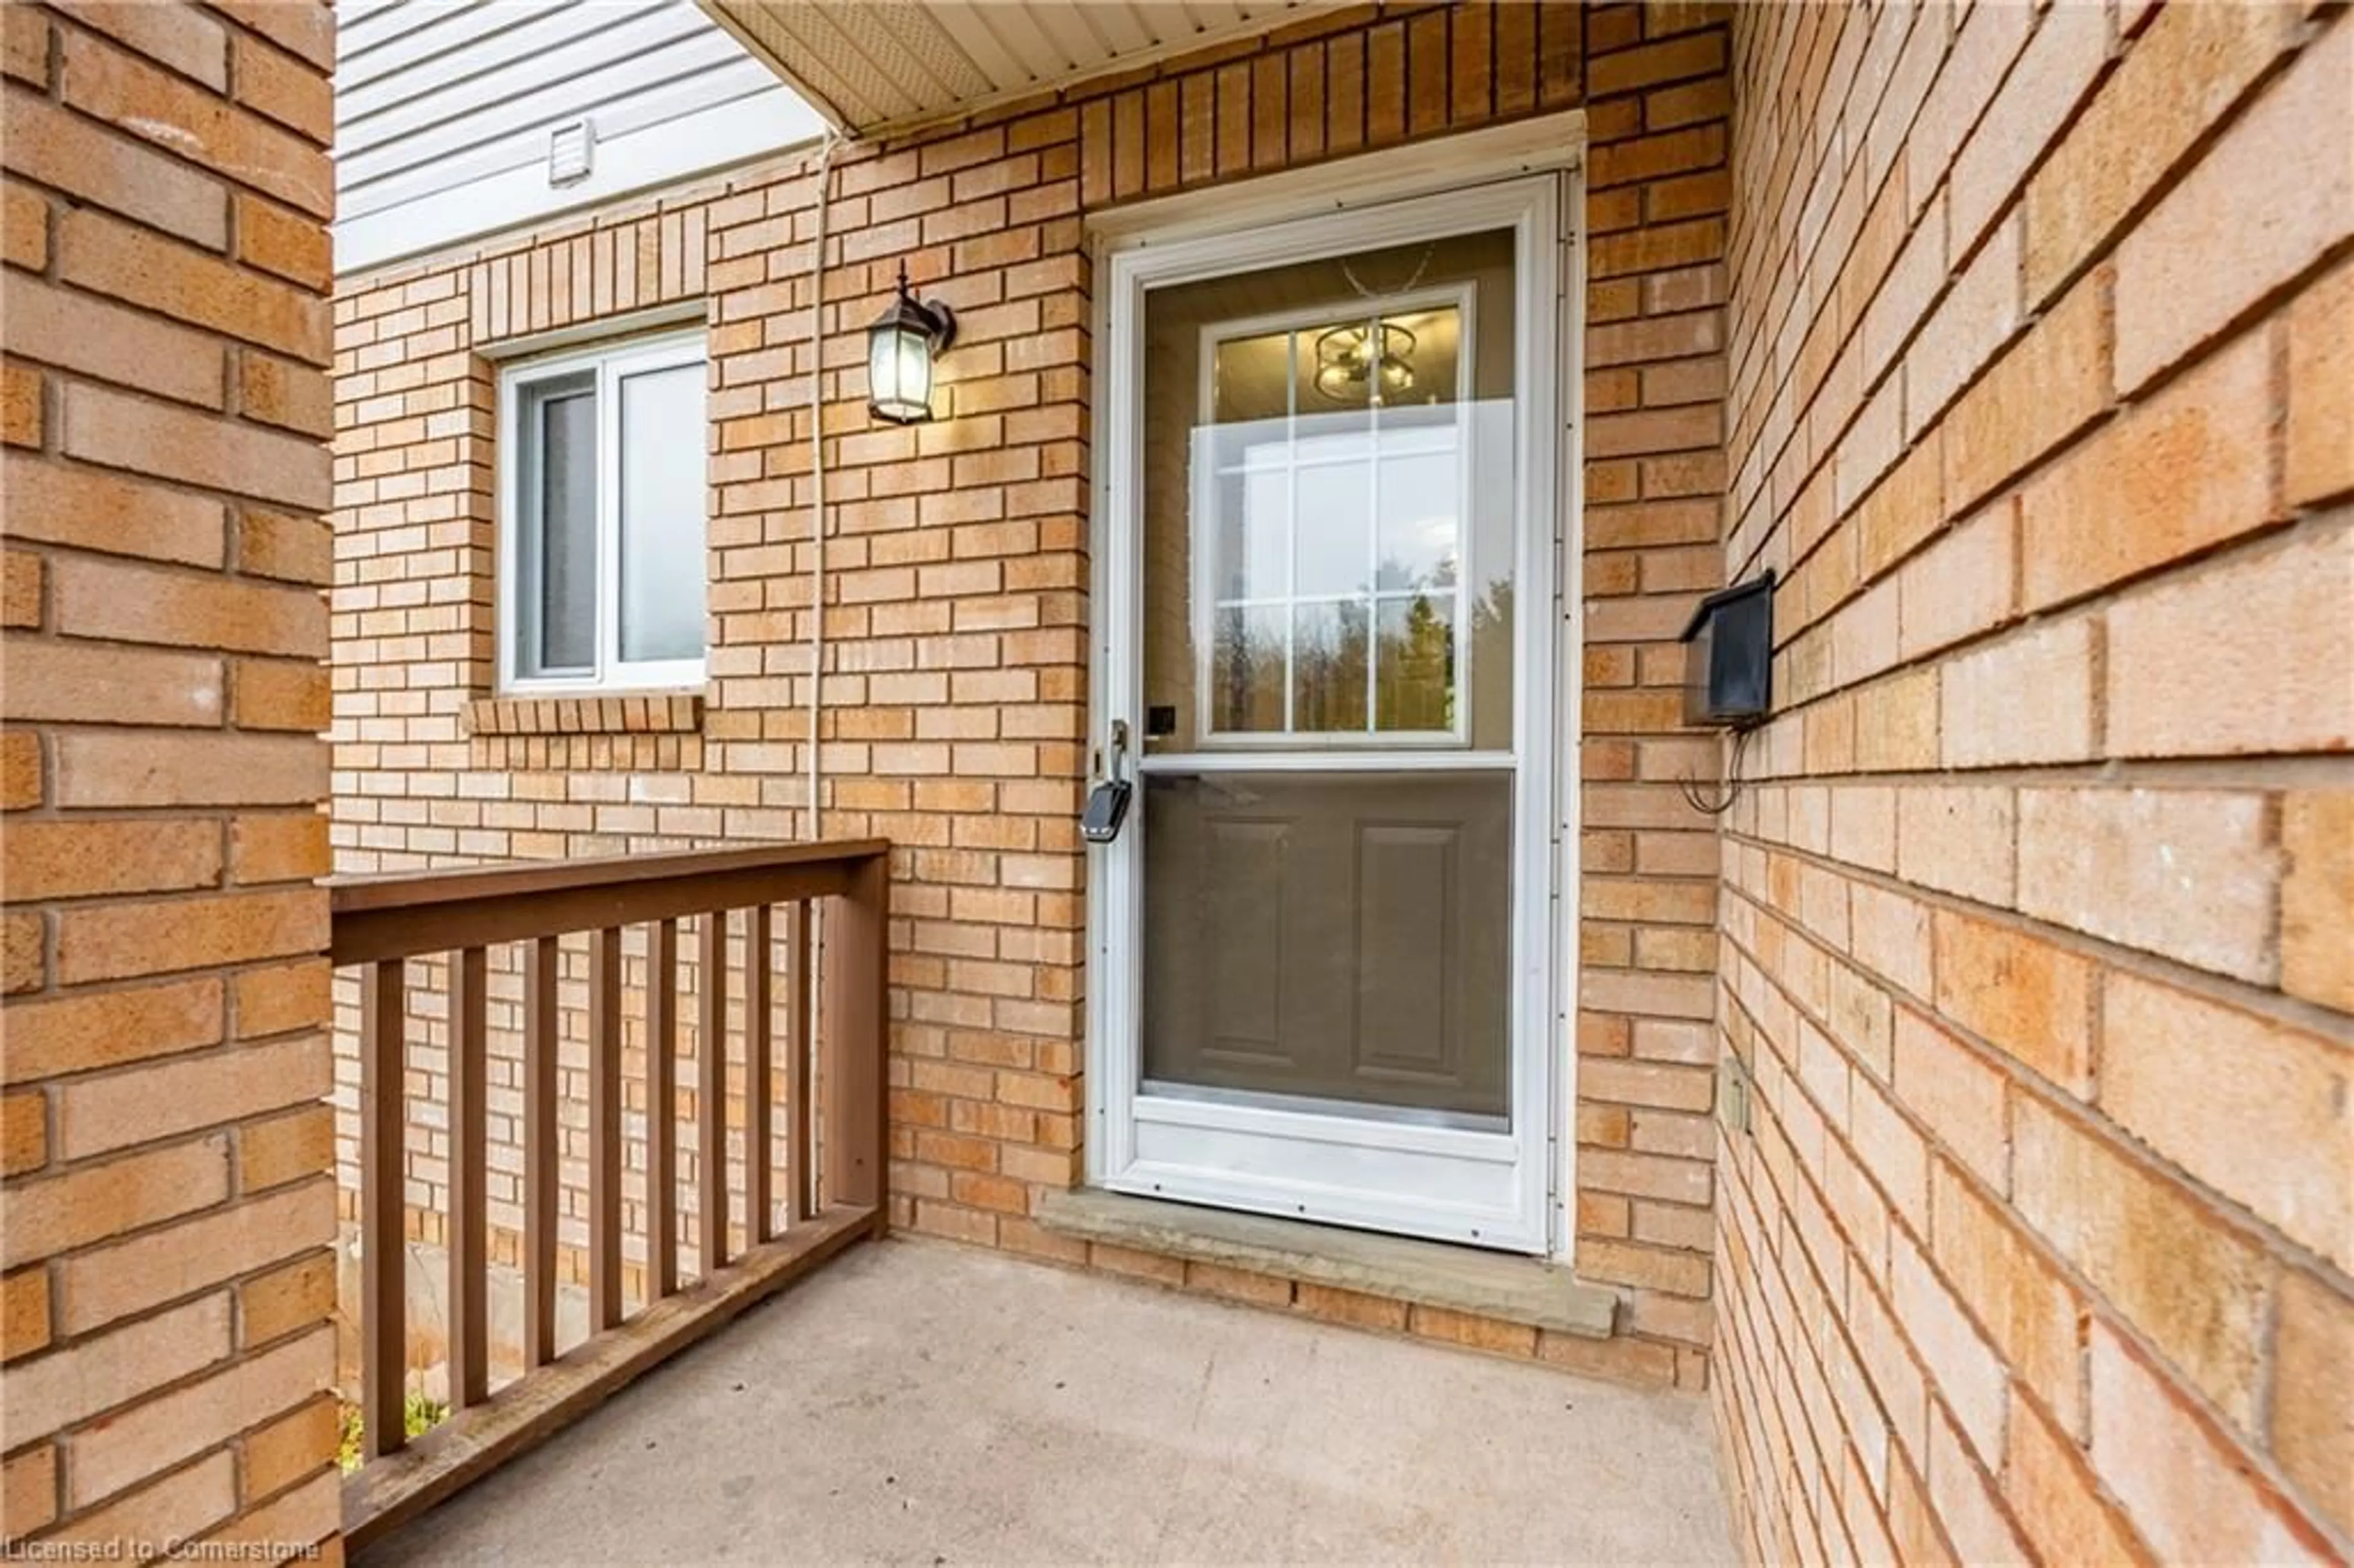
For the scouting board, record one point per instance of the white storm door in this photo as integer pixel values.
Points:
(1325, 947)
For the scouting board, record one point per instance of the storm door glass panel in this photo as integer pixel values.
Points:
(1247, 669)
(1414, 648)
(1329, 482)
(555, 632)
(661, 515)
(1330, 517)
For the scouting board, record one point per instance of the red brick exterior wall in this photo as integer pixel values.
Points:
(957, 616)
(2036, 908)
(168, 1199)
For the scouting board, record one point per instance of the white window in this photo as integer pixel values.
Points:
(602, 461)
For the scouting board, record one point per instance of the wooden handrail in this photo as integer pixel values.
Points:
(406, 914)
(442, 885)
(833, 1126)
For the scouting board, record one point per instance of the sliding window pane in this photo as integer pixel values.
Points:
(557, 545)
(663, 482)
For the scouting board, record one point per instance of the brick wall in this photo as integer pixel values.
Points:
(957, 618)
(167, 1194)
(2036, 908)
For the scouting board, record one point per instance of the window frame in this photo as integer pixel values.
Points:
(609, 361)
(1202, 519)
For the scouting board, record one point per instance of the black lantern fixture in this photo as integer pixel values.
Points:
(900, 347)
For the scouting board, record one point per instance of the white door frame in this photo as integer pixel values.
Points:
(1525, 177)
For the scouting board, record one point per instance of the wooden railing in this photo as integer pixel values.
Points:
(833, 1104)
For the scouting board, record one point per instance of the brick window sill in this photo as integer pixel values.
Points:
(632, 732)
(628, 712)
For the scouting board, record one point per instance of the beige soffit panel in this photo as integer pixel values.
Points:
(885, 65)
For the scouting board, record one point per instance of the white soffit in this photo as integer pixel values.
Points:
(871, 65)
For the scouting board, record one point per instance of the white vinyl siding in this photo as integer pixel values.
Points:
(444, 110)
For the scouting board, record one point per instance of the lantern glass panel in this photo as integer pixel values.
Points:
(899, 372)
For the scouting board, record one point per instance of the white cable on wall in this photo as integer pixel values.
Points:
(813, 981)
(817, 475)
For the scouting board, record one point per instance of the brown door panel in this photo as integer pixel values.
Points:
(1342, 935)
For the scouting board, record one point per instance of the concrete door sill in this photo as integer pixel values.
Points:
(1434, 1273)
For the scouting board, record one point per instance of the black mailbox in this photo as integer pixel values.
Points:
(1729, 656)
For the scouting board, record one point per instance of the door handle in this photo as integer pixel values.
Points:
(1107, 806)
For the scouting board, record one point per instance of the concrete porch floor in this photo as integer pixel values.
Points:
(918, 1402)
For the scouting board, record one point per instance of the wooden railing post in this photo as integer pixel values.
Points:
(853, 1025)
(470, 1261)
(384, 1250)
(759, 1145)
(540, 1174)
(605, 1128)
(662, 1110)
(800, 1051)
(711, 1094)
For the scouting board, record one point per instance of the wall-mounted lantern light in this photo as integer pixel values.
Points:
(900, 348)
